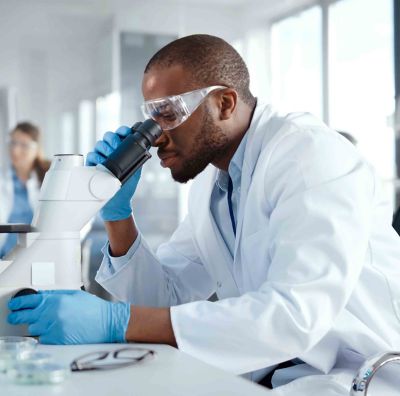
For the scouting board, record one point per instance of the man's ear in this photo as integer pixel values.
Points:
(228, 101)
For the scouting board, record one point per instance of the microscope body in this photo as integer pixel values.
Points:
(49, 257)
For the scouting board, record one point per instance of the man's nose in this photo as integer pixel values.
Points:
(162, 140)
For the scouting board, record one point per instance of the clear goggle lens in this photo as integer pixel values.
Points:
(171, 111)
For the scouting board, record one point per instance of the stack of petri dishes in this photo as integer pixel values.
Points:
(13, 349)
(21, 363)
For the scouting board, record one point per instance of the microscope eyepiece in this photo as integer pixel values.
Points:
(133, 152)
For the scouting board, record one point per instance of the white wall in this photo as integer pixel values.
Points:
(180, 18)
(57, 53)
(52, 56)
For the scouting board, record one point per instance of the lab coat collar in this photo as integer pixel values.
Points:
(235, 168)
(7, 191)
(255, 141)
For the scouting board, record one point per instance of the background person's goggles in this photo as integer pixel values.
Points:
(171, 111)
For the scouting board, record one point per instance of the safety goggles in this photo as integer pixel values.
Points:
(24, 146)
(171, 111)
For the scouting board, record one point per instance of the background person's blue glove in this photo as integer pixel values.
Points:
(119, 207)
(70, 317)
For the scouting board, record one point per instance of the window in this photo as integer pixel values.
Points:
(68, 136)
(355, 80)
(107, 113)
(361, 77)
(296, 62)
(86, 126)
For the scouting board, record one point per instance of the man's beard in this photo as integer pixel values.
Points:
(209, 144)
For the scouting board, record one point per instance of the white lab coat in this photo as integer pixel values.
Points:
(316, 269)
(7, 195)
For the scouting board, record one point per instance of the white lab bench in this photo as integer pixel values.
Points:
(170, 372)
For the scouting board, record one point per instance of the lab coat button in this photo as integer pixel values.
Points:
(219, 284)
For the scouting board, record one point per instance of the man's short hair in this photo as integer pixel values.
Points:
(211, 61)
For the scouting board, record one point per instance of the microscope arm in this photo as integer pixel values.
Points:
(69, 198)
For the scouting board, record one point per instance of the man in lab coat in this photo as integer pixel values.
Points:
(287, 224)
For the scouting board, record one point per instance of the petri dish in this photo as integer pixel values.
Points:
(14, 348)
(31, 373)
(24, 358)
(35, 357)
(14, 343)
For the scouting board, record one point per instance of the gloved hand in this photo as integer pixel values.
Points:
(119, 207)
(70, 317)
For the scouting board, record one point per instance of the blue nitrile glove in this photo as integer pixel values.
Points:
(70, 317)
(119, 207)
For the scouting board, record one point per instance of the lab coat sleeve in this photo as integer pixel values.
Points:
(110, 265)
(318, 203)
(174, 275)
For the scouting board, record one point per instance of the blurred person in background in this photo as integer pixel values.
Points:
(21, 181)
(349, 137)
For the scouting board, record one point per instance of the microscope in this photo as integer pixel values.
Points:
(48, 253)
